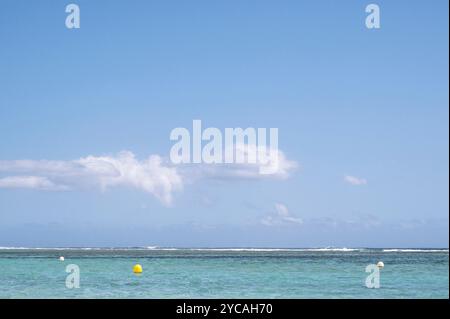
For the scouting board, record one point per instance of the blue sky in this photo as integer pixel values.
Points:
(348, 101)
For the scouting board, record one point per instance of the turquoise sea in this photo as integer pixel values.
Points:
(223, 273)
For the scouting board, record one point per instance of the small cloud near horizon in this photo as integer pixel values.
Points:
(281, 216)
(356, 181)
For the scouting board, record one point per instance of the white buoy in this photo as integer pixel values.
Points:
(61, 258)
(380, 265)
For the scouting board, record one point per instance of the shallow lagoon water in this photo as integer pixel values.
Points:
(223, 273)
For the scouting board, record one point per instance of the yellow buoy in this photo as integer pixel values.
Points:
(137, 269)
(380, 265)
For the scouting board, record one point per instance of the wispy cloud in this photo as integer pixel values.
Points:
(149, 175)
(153, 175)
(31, 182)
(355, 180)
(359, 221)
(277, 166)
(280, 216)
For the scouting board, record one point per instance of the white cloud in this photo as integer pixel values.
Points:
(124, 169)
(280, 216)
(153, 175)
(31, 182)
(276, 167)
(149, 175)
(355, 180)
